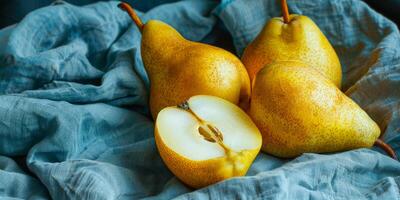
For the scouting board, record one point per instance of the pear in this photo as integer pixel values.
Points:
(295, 37)
(206, 139)
(179, 68)
(299, 110)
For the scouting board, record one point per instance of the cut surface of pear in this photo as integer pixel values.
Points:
(298, 110)
(207, 139)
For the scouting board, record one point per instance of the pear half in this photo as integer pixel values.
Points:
(206, 139)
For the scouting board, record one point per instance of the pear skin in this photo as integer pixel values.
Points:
(300, 39)
(179, 69)
(298, 110)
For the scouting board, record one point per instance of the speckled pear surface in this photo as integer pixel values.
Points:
(299, 40)
(298, 110)
(179, 69)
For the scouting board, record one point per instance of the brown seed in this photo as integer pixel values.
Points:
(207, 136)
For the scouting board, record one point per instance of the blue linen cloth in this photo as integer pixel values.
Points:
(75, 123)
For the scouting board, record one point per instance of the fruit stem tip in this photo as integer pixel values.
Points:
(127, 8)
(285, 11)
(381, 144)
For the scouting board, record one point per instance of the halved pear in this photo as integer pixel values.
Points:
(206, 139)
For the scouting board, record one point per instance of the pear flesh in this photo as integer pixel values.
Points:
(207, 140)
(179, 69)
(300, 39)
(299, 110)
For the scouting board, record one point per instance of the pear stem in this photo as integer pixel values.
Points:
(127, 8)
(381, 144)
(285, 11)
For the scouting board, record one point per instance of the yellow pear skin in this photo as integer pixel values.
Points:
(300, 39)
(179, 69)
(299, 110)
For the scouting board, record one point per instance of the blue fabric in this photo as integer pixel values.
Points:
(75, 123)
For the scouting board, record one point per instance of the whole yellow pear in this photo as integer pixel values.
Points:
(299, 110)
(179, 68)
(297, 39)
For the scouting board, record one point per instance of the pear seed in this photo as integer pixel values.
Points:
(207, 136)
